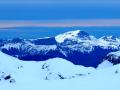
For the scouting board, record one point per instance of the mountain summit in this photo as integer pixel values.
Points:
(71, 35)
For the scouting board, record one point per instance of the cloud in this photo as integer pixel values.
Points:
(62, 23)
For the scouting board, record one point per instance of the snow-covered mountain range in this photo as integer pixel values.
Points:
(73, 60)
(76, 46)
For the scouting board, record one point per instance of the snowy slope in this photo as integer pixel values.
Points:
(62, 69)
(52, 69)
(104, 64)
(16, 69)
(28, 77)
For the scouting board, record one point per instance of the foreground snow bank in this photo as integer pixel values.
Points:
(31, 75)
(58, 68)
(107, 79)
(52, 69)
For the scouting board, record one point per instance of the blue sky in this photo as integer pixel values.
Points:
(51, 10)
(58, 13)
(61, 2)
(58, 9)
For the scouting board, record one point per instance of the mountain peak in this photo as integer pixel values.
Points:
(109, 38)
(70, 35)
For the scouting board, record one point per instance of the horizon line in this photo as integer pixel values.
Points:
(60, 23)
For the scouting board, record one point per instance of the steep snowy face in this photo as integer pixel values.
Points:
(113, 57)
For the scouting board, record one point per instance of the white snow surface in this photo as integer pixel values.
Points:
(68, 35)
(30, 75)
(51, 69)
